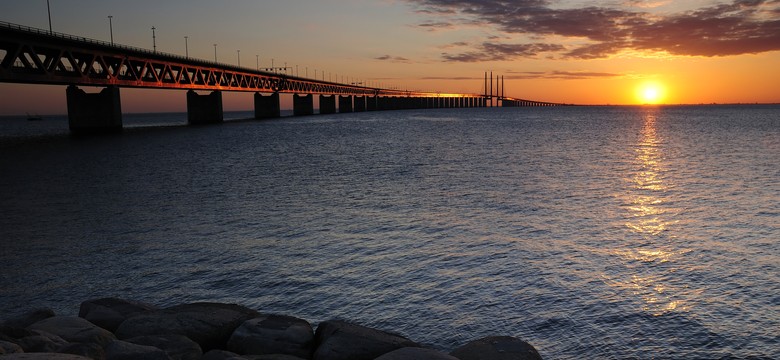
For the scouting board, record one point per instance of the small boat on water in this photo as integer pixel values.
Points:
(34, 117)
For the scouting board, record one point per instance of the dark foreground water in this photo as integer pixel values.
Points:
(596, 232)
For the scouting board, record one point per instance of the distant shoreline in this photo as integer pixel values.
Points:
(288, 112)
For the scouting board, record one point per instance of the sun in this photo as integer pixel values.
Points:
(650, 93)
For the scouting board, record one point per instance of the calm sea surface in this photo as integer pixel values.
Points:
(591, 232)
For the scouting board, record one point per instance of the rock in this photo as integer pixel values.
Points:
(29, 318)
(7, 347)
(221, 355)
(412, 353)
(123, 350)
(8, 333)
(74, 329)
(178, 347)
(41, 341)
(108, 313)
(338, 340)
(44, 356)
(208, 324)
(272, 357)
(273, 334)
(92, 351)
(497, 348)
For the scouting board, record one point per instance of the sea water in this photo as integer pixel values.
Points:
(590, 232)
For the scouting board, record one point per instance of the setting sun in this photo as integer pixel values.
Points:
(650, 93)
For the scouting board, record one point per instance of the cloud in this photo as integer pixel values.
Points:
(395, 59)
(557, 74)
(436, 25)
(735, 28)
(488, 51)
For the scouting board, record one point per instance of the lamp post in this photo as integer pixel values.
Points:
(215, 52)
(48, 9)
(186, 47)
(111, 28)
(238, 56)
(154, 40)
(257, 62)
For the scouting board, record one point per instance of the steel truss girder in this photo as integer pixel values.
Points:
(29, 55)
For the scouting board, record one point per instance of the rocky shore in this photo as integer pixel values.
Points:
(117, 329)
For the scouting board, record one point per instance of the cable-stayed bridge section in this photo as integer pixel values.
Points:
(36, 56)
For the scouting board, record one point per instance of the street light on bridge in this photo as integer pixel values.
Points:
(154, 40)
(48, 10)
(238, 56)
(111, 28)
(215, 52)
(186, 47)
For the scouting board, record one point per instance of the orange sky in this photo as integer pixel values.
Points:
(575, 51)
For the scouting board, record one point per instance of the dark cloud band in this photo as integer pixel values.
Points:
(739, 27)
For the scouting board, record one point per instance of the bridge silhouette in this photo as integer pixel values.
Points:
(36, 56)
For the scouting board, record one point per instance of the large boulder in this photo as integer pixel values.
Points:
(122, 350)
(221, 355)
(92, 351)
(339, 340)
(108, 313)
(178, 347)
(411, 353)
(40, 341)
(208, 324)
(44, 356)
(74, 329)
(9, 333)
(497, 348)
(273, 334)
(29, 318)
(7, 347)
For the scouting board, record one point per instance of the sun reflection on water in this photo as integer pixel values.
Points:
(652, 260)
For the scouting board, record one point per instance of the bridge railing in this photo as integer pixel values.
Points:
(59, 35)
(164, 57)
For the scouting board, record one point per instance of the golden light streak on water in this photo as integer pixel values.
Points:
(648, 217)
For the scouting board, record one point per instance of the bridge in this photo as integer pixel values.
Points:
(36, 56)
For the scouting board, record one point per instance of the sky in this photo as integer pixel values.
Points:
(574, 51)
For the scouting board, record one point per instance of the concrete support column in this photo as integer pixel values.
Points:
(267, 107)
(94, 113)
(204, 109)
(345, 104)
(303, 105)
(371, 103)
(327, 104)
(360, 103)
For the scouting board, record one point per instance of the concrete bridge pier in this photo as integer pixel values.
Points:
(267, 107)
(345, 104)
(382, 103)
(360, 103)
(204, 109)
(303, 105)
(94, 113)
(327, 104)
(371, 103)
